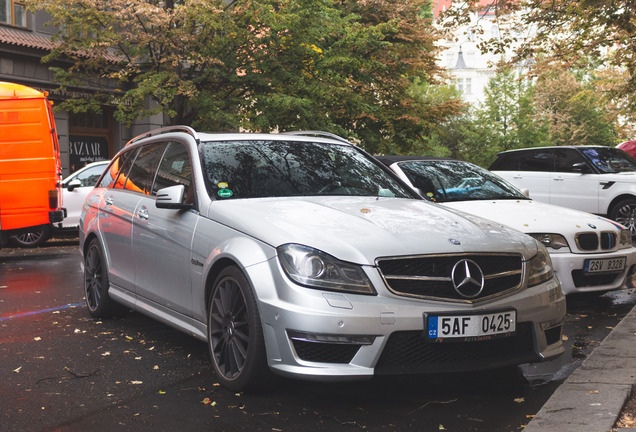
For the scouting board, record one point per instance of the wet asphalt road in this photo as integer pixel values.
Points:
(64, 371)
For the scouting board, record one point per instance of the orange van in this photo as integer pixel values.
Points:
(30, 168)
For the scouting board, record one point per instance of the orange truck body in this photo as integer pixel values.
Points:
(30, 167)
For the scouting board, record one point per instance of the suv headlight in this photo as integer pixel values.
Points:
(552, 241)
(540, 267)
(312, 268)
(625, 240)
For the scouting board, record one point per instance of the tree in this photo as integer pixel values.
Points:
(262, 65)
(564, 32)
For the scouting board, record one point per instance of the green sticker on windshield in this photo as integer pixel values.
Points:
(225, 193)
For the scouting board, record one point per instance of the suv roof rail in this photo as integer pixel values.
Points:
(187, 129)
(318, 133)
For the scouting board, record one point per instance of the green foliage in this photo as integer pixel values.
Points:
(347, 67)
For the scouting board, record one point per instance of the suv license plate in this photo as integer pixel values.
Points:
(604, 265)
(471, 327)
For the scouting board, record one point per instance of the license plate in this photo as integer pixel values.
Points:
(604, 265)
(471, 327)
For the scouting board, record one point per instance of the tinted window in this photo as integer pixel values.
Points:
(252, 169)
(536, 160)
(175, 169)
(530, 160)
(609, 160)
(446, 181)
(565, 159)
(142, 172)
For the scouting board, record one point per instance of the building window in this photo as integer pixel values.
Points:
(464, 85)
(13, 12)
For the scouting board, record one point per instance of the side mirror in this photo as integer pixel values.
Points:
(171, 197)
(73, 184)
(581, 167)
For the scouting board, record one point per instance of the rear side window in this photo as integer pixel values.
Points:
(532, 160)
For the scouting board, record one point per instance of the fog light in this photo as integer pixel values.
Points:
(330, 338)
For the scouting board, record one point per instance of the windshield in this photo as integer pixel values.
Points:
(257, 169)
(609, 159)
(446, 181)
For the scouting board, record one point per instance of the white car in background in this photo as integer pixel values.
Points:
(75, 189)
(590, 253)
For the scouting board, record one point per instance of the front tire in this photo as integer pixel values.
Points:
(235, 333)
(30, 239)
(96, 283)
(625, 214)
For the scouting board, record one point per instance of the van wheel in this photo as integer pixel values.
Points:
(98, 301)
(625, 214)
(235, 334)
(34, 238)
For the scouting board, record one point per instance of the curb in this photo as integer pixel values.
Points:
(592, 397)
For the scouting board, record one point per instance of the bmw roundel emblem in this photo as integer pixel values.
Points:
(592, 226)
(454, 241)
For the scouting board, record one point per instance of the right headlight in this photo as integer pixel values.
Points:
(539, 267)
(312, 268)
(625, 239)
(552, 241)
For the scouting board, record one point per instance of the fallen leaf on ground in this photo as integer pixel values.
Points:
(520, 400)
(136, 382)
(17, 370)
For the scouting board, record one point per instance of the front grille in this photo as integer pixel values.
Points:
(325, 352)
(409, 352)
(430, 276)
(581, 279)
(590, 241)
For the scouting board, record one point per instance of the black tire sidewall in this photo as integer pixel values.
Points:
(104, 308)
(255, 371)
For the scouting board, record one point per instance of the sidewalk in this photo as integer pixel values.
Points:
(592, 397)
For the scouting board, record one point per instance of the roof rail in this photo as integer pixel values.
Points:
(317, 133)
(187, 129)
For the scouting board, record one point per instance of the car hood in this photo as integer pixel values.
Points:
(361, 229)
(535, 217)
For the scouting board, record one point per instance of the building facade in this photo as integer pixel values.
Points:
(25, 38)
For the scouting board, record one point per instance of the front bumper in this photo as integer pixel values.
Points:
(333, 336)
(569, 268)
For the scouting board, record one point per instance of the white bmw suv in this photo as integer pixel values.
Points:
(301, 255)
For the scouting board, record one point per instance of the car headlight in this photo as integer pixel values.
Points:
(312, 268)
(625, 240)
(552, 241)
(540, 267)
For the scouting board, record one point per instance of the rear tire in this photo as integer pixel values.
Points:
(96, 283)
(34, 238)
(235, 333)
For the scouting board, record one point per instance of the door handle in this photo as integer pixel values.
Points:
(143, 214)
(109, 201)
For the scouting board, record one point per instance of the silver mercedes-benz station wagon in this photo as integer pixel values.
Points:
(301, 255)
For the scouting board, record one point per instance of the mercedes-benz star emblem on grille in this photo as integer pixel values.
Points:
(468, 279)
